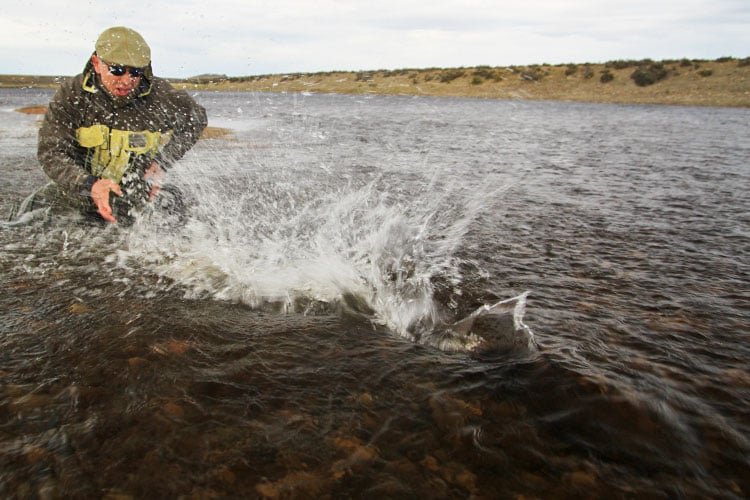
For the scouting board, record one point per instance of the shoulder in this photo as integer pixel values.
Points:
(163, 91)
(164, 87)
(70, 84)
(161, 84)
(70, 91)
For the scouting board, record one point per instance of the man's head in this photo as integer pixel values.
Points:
(121, 57)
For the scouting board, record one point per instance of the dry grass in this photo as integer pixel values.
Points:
(705, 83)
(33, 110)
(216, 133)
(724, 82)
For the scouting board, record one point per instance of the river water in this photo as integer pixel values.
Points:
(279, 341)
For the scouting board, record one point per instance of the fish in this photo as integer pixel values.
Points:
(497, 326)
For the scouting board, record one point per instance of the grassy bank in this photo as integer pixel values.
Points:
(723, 82)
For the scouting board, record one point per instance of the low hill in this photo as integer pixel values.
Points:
(723, 82)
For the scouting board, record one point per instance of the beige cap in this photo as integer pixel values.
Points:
(123, 46)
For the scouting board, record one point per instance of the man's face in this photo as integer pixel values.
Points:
(119, 86)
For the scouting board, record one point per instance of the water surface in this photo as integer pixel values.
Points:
(275, 344)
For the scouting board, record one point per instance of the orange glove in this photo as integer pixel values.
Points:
(100, 194)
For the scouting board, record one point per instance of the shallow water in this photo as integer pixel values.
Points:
(278, 343)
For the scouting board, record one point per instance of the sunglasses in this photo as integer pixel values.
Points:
(117, 70)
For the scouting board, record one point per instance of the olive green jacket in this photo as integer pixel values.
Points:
(88, 134)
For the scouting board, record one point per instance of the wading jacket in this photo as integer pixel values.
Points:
(88, 134)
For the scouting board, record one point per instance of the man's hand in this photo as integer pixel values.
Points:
(100, 194)
(154, 175)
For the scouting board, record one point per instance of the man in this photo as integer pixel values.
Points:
(113, 131)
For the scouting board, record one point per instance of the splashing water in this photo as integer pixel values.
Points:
(296, 246)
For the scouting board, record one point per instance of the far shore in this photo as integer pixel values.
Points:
(724, 82)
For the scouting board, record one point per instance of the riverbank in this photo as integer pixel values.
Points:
(724, 82)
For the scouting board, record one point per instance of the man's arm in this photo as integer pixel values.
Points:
(188, 121)
(56, 150)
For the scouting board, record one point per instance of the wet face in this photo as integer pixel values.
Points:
(119, 86)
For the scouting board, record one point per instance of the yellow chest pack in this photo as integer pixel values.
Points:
(112, 152)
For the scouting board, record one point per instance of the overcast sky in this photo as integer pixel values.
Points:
(252, 37)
